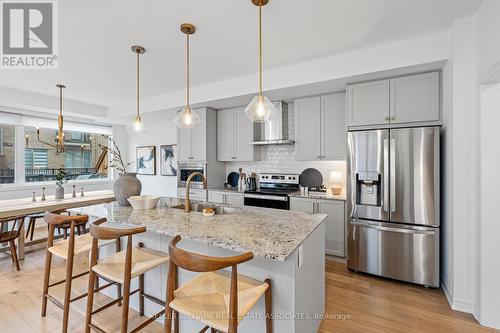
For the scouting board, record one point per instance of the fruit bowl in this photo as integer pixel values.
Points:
(141, 202)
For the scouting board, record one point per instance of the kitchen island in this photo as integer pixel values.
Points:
(288, 249)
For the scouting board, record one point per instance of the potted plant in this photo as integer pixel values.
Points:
(127, 184)
(61, 179)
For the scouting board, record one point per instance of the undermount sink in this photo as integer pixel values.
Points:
(198, 207)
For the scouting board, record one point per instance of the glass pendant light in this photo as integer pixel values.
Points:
(138, 123)
(187, 117)
(260, 108)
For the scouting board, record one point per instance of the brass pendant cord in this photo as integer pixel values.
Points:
(138, 83)
(60, 139)
(187, 73)
(260, 48)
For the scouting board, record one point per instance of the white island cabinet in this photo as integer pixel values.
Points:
(335, 221)
(287, 247)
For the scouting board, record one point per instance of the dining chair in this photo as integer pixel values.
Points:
(121, 268)
(10, 230)
(217, 298)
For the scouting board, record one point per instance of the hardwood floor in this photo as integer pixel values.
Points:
(354, 303)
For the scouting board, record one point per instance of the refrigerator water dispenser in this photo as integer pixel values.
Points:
(368, 187)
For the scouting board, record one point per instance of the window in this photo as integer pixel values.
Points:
(36, 158)
(7, 154)
(83, 157)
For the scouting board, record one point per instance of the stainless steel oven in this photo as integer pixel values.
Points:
(273, 192)
(186, 169)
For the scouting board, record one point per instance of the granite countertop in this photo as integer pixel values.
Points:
(261, 231)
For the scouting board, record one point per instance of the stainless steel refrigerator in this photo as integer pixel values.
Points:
(393, 203)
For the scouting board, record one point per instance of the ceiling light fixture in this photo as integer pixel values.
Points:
(59, 140)
(138, 124)
(260, 108)
(187, 117)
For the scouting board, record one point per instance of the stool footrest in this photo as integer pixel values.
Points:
(72, 278)
(154, 299)
(112, 303)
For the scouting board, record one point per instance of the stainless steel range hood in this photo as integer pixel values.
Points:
(275, 131)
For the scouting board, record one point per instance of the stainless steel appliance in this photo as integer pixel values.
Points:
(275, 131)
(393, 203)
(186, 169)
(273, 192)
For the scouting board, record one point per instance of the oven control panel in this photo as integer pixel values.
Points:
(274, 178)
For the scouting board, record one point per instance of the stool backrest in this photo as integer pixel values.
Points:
(195, 262)
(101, 232)
(10, 231)
(201, 263)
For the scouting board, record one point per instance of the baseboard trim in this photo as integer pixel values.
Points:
(456, 305)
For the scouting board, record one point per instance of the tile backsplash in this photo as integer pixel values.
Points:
(281, 159)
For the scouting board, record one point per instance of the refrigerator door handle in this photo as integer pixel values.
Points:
(385, 176)
(392, 229)
(392, 173)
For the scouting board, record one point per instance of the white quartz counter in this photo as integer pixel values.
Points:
(268, 233)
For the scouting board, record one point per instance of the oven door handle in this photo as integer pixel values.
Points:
(266, 197)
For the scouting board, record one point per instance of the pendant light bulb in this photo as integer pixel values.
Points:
(260, 109)
(138, 124)
(187, 117)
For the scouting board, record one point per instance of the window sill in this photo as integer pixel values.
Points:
(38, 185)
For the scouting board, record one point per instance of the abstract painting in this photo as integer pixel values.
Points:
(146, 160)
(168, 160)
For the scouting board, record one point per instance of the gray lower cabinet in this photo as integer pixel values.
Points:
(400, 101)
(226, 198)
(235, 133)
(194, 194)
(335, 221)
(320, 128)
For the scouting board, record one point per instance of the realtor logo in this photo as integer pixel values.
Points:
(28, 34)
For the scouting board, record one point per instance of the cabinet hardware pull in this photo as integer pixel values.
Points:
(387, 118)
(392, 118)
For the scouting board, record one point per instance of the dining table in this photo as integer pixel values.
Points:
(26, 206)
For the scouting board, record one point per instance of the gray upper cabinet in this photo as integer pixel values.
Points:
(368, 103)
(333, 127)
(415, 98)
(307, 124)
(320, 129)
(235, 133)
(394, 102)
(225, 135)
(192, 143)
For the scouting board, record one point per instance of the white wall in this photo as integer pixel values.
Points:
(470, 132)
(160, 130)
(459, 196)
(489, 228)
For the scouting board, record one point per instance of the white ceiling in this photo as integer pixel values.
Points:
(98, 66)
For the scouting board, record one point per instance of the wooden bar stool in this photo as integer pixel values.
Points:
(31, 224)
(80, 226)
(122, 267)
(218, 300)
(67, 249)
(9, 233)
